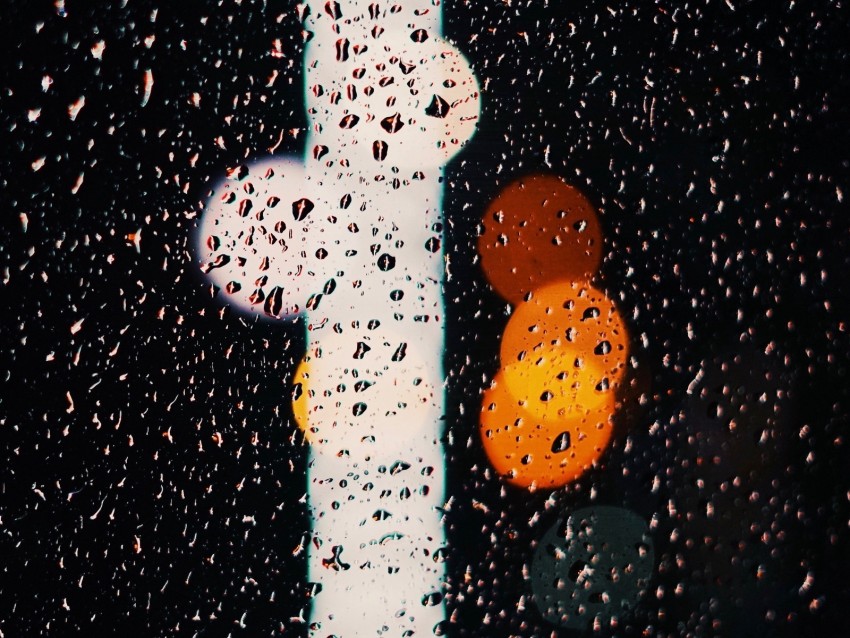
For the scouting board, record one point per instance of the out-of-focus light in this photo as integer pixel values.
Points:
(548, 450)
(539, 230)
(573, 326)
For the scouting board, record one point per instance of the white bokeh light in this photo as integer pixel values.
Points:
(351, 237)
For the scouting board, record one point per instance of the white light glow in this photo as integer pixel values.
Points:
(352, 237)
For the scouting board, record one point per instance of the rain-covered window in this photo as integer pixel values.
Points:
(410, 318)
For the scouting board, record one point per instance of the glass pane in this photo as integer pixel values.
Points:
(418, 318)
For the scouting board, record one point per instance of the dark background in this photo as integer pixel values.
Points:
(719, 169)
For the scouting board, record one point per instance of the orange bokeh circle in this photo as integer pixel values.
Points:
(302, 396)
(547, 452)
(550, 389)
(538, 230)
(572, 328)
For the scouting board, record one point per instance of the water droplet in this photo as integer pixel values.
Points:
(349, 121)
(379, 150)
(432, 600)
(257, 296)
(400, 352)
(342, 49)
(561, 443)
(420, 35)
(313, 302)
(603, 347)
(392, 123)
(361, 351)
(591, 313)
(333, 10)
(576, 569)
(220, 260)
(362, 385)
(386, 262)
(438, 107)
(274, 302)
(398, 467)
(335, 562)
(301, 208)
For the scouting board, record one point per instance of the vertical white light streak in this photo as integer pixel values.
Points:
(353, 238)
(376, 482)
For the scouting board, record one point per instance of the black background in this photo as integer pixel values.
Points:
(719, 171)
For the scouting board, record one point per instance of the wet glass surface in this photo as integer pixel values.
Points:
(468, 319)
